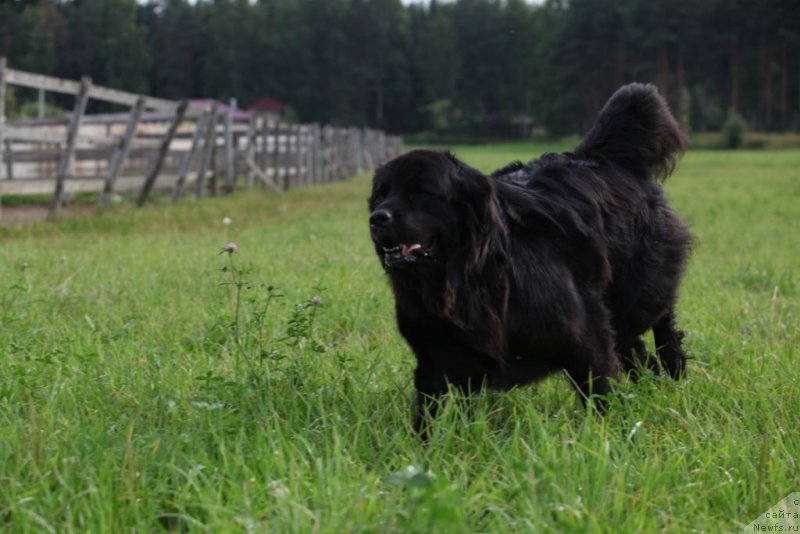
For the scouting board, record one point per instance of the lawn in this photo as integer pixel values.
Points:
(150, 382)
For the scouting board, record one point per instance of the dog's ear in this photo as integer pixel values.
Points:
(477, 282)
(475, 196)
(471, 187)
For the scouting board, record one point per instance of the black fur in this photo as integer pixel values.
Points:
(561, 263)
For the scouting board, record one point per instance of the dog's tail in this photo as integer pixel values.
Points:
(636, 131)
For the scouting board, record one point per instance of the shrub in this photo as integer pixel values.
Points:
(734, 130)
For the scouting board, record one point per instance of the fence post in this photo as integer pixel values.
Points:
(341, 153)
(347, 154)
(9, 161)
(290, 157)
(40, 107)
(308, 171)
(213, 180)
(352, 168)
(327, 138)
(121, 154)
(208, 147)
(285, 158)
(2, 114)
(336, 156)
(295, 152)
(315, 153)
(320, 154)
(249, 153)
(186, 162)
(68, 153)
(330, 150)
(2, 121)
(276, 150)
(150, 181)
(229, 152)
(333, 156)
(363, 153)
(301, 155)
(356, 158)
(308, 158)
(265, 146)
(338, 153)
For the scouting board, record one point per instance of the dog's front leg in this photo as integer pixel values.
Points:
(431, 384)
(432, 380)
(444, 359)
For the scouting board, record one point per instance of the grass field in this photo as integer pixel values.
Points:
(144, 388)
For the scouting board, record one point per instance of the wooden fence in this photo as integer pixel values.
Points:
(168, 146)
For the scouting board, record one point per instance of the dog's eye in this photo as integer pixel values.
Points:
(422, 193)
(379, 195)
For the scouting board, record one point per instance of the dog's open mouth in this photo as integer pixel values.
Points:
(407, 253)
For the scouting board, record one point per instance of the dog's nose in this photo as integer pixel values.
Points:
(380, 217)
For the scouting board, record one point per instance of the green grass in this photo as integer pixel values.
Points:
(129, 402)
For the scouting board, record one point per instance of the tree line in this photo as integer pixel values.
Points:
(468, 66)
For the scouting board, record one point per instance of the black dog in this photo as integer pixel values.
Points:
(562, 263)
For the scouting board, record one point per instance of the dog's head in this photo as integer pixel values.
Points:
(426, 207)
(436, 220)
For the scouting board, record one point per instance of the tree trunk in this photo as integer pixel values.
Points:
(680, 106)
(784, 97)
(379, 103)
(619, 61)
(766, 87)
(733, 103)
(797, 113)
(663, 72)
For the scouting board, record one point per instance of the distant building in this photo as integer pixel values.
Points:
(205, 103)
(268, 106)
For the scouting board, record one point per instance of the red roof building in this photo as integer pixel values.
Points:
(267, 105)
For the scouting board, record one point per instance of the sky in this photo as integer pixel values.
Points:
(407, 2)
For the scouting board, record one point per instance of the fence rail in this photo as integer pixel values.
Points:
(170, 146)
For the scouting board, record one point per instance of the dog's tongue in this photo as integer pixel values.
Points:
(406, 250)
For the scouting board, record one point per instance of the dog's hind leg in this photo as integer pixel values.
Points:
(644, 358)
(593, 365)
(594, 380)
(668, 345)
(628, 354)
(635, 358)
(592, 385)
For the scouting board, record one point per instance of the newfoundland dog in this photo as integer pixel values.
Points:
(560, 263)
